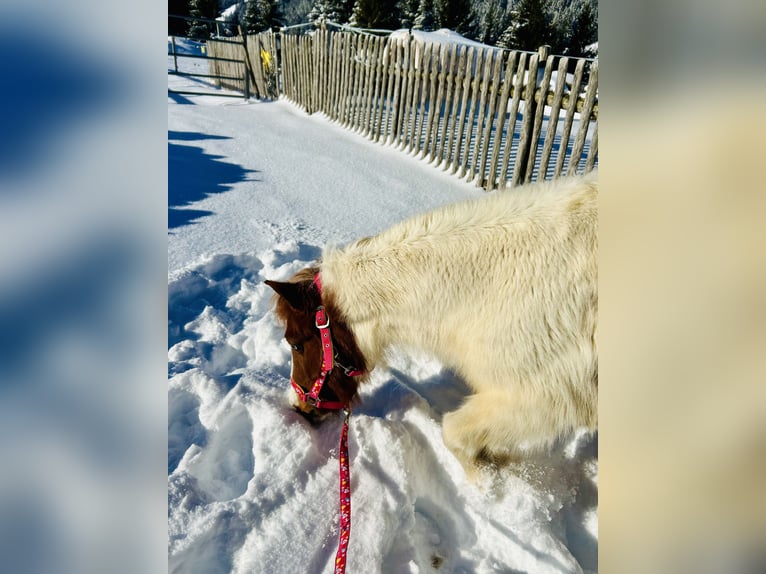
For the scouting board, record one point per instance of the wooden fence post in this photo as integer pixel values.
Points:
(544, 84)
(553, 118)
(175, 58)
(463, 105)
(248, 66)
(502, 111)
(585, 114)
(527, 126)
(487, 134)
(569, 118)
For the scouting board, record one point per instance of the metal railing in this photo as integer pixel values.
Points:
(174, 52)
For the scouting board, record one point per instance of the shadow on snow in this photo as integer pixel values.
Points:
(193, 175)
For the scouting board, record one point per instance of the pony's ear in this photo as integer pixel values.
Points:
(290, 292)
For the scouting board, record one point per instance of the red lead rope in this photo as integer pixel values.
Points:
(312, 397)
(345, 501)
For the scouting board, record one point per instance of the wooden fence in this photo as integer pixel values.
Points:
(253, 62)
(491, 116)
(235, 67)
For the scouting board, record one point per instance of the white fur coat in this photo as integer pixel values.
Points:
(504, 290)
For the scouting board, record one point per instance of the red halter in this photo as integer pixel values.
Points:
(322, 322)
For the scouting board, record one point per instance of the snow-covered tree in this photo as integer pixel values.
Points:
(254, 20)
(261, 15)
(491, 19)
(408, 12)
(202, 9)
(295, 11)
(338, 11)
(530, 26)
(456, 15)
(584, 29)
(426, 18)
(506, 38)
(324, 10)
(374, 14)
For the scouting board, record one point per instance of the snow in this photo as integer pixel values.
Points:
(186, 46)
(441, 36)
(229, 13)
(255, 191)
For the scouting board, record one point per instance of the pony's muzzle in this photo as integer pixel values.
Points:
(308, 410)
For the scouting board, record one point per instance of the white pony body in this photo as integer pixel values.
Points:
(502, 289)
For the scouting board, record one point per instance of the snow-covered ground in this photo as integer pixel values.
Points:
(184, 58)
(255, 191)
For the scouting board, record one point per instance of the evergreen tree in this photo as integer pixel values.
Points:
(562, 14)
(177, 26)
(491, 18)
(338, 11)
(323, 11)
(374, 14)
(530, 27)
(426, 18)
(254, 20)
(347, 9)
(202, 9)
(506, 38)
(261, 15)
(295, 11)
(584, 29)
(408, 12)
(454, 14)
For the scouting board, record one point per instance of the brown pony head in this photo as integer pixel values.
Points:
(296, 303)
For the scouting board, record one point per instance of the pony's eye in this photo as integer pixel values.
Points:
(297, 348)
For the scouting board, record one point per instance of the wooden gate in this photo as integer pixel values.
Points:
(210, 65)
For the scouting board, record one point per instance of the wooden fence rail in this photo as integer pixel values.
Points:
(494, 117)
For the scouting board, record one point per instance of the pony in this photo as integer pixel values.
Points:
(502, 289)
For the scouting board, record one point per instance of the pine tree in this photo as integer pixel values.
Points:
(295, 11)
(408, 12)
(347, 9)
(530, 27)
(374, 14)
(491, 19)
(454, 14)
(584, 29)
(426, 18)
(506, 38)
(562, 15)
(261, 15)
(254, 21)
(323, 11)
(202, 9)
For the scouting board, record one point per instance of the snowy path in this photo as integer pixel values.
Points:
(255, 190)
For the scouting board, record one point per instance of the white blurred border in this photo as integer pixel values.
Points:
(682, 328)
(83, 401)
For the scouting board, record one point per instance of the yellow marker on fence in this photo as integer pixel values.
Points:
(266, 59)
